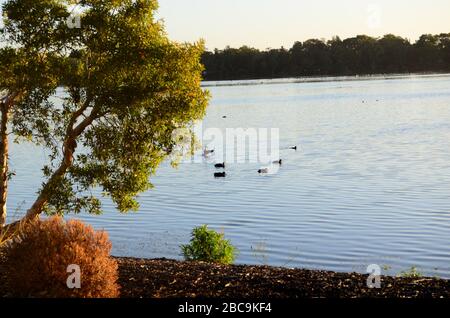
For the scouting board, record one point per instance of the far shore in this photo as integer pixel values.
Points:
(321, 78)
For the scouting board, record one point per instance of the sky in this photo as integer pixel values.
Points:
(274, 23)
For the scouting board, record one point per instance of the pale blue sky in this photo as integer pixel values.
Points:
(275, 23)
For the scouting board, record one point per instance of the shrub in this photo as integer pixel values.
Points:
(411, 273)
(209, 246)
(38, 259)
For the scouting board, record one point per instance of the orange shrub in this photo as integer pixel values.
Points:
(38, 260)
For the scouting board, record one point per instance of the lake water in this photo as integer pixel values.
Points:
(370, 183)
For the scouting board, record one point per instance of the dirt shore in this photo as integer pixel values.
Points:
(140, 278)
(162, 278)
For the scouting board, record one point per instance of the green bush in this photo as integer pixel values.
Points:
(209, 246)
(411, 273)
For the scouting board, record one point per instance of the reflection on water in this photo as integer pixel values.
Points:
(370, 184)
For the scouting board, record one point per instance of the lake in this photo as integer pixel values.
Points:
(369, 184)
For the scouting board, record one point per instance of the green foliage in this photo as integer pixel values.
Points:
(126, 89)
(386, 268)
(358, 55)
(411, 273)
(209, 246)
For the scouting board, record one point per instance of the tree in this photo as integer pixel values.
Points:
(27, 64)
(427, 52)
(395, 54)
(358, 55)
(444, 44)
(127, 90)
(362, 54)
(296, 54)
(338, 55)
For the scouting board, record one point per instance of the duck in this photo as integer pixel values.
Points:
(207, 152)
(220, 165)
(278, 162)
(220, 175)
(263, 170)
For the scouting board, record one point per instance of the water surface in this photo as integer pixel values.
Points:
(371, 183)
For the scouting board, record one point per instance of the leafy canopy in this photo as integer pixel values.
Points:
(209, 246)
(126, 90)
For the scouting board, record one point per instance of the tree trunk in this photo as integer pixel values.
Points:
(38, 205)
(4, 167)
(70, 146)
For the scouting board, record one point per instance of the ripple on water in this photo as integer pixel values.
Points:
(370, 184)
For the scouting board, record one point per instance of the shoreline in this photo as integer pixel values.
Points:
(172, 279)
(164, 278)
(318, 78)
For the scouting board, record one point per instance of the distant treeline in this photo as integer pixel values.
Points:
(359, 55)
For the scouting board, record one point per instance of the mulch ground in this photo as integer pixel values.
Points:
(140, 278)
(162, 278)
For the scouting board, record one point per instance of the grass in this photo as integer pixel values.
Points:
(411, 273)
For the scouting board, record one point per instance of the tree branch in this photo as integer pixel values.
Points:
(69, 148)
